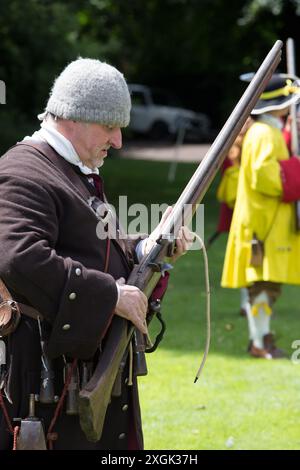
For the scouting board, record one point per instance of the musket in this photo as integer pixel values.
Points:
(291, 70)
(96, 395)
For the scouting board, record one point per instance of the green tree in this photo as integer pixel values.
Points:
(195, 48)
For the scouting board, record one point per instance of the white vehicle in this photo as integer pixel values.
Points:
(154, 115)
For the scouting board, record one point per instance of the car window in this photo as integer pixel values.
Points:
(138, 98)
(165, 98)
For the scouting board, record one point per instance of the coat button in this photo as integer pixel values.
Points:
(66, 327)
(122, 436)
(72, 296)
(78, 272)
(125, 407)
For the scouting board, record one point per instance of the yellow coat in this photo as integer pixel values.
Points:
(227, 188)
(259, 209)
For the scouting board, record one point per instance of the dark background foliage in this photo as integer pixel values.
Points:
(195, 48)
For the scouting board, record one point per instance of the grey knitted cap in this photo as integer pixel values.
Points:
(88, 90)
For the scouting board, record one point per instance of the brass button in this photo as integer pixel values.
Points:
(122, 436)
(72, 296)
(125, 407)
(66, 327)
(78, 272)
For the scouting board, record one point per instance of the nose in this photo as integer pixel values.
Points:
(116, 138)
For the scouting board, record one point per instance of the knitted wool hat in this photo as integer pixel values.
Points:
(88, 90)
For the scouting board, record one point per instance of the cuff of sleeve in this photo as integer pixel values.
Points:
(118, 293)
(290, 177)
(140, 249)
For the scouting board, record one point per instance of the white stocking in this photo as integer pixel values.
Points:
(259, 315)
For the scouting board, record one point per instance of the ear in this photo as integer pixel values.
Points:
(69, 129)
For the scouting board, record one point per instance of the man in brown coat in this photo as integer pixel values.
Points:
(52, 260)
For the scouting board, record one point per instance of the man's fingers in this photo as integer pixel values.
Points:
(184, 241)
(141, 315)
(144, 301)
(132, 305)
(188, 235)
(185, 234)
(179, 246)
(139, 320)
(142, 311)
(142, 326)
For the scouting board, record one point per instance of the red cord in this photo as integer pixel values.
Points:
(7, 419)
(50, 435)
(107, 254)
(16, 432)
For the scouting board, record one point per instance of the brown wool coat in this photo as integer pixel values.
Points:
(50, 255)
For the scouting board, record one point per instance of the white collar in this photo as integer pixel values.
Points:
(62, 146)
(271, 120)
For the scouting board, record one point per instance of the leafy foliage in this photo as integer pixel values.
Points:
(197, 49)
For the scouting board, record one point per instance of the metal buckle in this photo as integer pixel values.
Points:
(100, 207)
(106, 219)
(12, 324)
(12, 303)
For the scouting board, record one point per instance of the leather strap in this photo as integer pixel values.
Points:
(30, 311)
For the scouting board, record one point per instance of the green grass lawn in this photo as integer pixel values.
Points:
(238, 402)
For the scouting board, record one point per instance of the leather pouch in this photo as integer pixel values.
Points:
(257, 252)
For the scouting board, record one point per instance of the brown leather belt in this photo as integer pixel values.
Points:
(14, 309)
(29, 311)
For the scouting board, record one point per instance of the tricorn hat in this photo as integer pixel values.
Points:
(281, 91)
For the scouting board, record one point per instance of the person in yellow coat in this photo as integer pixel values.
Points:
(226, 195)
(263, 245)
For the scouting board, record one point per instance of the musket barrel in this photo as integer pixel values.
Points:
(291, 70)
(207, 169)
(290, 56)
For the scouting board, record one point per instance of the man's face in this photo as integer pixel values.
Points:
(281, 112)
(92, 141)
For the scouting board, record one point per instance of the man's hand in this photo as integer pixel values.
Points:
(132, 305)
(183, 241)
